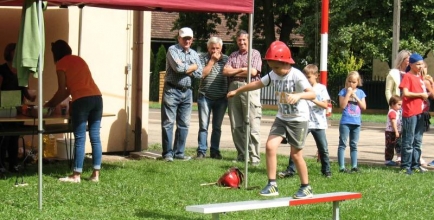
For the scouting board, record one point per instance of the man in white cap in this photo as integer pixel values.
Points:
(182, 64)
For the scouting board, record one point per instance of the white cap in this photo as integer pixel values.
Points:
(185, 32)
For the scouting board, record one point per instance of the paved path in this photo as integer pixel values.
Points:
(371, 143)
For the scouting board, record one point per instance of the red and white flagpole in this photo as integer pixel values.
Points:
(324, 41)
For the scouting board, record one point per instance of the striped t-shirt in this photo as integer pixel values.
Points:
(215, 84)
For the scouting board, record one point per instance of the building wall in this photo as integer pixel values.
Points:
(108, 47)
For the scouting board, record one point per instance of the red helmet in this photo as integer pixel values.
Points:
(278, 51)
(232, 178)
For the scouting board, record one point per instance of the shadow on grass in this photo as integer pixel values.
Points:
(159, 215)
(57, 168)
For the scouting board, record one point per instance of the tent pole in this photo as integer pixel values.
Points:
(247, 120)
(40, 104)
(80, 27)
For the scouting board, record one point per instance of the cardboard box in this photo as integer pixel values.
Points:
(10, 98)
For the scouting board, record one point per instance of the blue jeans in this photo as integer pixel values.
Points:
(353, 131)
(176, 107)
(87, 111)
(321, 143)
(412, 133)
(218, 109)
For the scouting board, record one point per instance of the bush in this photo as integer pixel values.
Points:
(159, 65)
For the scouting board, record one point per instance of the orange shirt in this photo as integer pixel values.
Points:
(79, 79)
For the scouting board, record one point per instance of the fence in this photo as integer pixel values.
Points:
(374, 89)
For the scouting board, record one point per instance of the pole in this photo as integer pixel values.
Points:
(40, 104)
(247, 121)
(396, 27)
(80, 27)
(324, 41)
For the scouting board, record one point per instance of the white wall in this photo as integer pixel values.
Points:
(107, 46)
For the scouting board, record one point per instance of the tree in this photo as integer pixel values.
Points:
(363, 28)
(272, 18)
(160, 65)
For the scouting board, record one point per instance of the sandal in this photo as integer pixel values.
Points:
(70, 179)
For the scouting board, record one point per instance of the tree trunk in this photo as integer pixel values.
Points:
(287, 26)
(269, 32)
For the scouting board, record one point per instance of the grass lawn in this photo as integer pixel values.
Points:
(154, 189)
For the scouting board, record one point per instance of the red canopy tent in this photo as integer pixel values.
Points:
(245, 6)
(224, 6)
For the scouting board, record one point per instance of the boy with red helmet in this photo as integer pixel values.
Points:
(292, 90)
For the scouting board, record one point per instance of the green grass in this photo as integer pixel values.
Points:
(154, 189)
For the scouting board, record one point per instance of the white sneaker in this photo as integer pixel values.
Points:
(423, 169)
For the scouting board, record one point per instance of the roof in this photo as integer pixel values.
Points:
(162, 22)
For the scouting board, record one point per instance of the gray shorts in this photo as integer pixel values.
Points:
(295, 132)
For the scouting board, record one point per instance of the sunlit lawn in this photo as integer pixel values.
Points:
(154, 189)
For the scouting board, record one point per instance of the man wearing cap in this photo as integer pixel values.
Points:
(182, 65)
(413, 96)
(237, 71)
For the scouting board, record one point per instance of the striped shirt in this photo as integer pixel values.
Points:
(177, 62)
(239, 59)
(215, 84)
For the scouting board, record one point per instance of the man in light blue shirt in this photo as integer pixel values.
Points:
(182, 64)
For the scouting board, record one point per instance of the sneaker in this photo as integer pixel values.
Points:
(183, 158)
(406, 171)
(269, 190)
(303, 192)
(431, 164)
(238, 160)
(327, 174)
(355, 170)
(200, 156)
(344, 170)
(255, 164)
(216, 156)
(390, 163)
(168, 159)
(286, 174)
(419, 170)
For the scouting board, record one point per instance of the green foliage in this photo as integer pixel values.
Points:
(343, 65)
(152, 61)
(271, 19)
(364, 28)
(202, 24)
(160, 65)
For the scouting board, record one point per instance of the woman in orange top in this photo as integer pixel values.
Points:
(74, 78)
